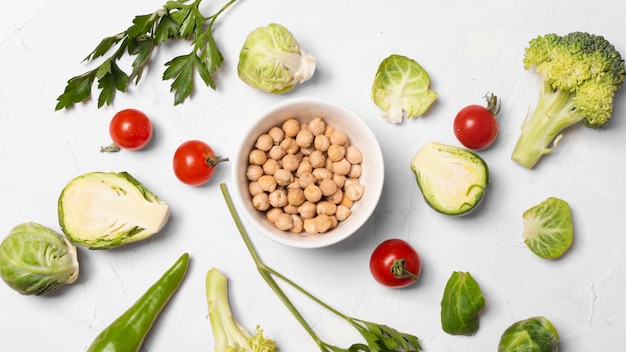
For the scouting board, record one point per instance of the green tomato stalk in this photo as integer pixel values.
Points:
(378, 337)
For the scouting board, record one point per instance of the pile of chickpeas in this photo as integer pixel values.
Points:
(304, 176)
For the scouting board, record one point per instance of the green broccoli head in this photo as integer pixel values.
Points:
(580, 74)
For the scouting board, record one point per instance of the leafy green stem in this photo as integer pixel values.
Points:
(379, 338)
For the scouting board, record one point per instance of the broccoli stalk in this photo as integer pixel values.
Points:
(229, 335)
(579, 76)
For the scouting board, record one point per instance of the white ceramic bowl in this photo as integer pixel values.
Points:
(339, 117)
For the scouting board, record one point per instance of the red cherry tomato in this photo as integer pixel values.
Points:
(395, 263)
(476, 126)
(195, 162)
(129, 129)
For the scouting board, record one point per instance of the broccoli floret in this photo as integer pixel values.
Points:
(229, 335)
(579, 75)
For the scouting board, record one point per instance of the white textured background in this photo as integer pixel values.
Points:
(468, 47)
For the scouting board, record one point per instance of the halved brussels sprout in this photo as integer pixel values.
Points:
(401, 88)
(35, 260)
(548, 228)
(452, 180)
(536, 334)
(272, 60)
(102, 210)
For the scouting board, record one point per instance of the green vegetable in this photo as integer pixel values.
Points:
(102, 210)
(175, 20)
(379, 338)
(536, 334)
(548, 228)
(272, 60)
(229, 335)
(400, 88)
(128, 331)
(452, 180)
(35, 260)
(461, 304)
(579, 75)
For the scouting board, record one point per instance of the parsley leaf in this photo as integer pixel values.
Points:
(176, 20)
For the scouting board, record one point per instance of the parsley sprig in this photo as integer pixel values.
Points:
(175, 20)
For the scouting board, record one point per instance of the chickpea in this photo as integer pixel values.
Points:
(343, 212)
(290, 209)
(309, 226)
(326, 207)
(322, 173)
(321, 143)
(341, 167)
(264, 142)
(270, 166)
(307, 210)
(312, 193)
(283, 177)
(290, 162)
(317, 126)
(254, 188)
(353, 155)
(317, 159)
(295, 196)
(284, 221)
(306, 179)
(261, 201)
(336, 197)
(336, 152)
(323, 223)
(253, 172)
(355, 170)
(308, 150)
(346, 201)
(338, 137)
(329, 131)
(339, 180)
(257, 157)
(291, 127)
(277, 134)
(298, 224)
(276, 152)
(278, 198)
(334, 222)
(272, 214)
(328, 187)
(289, 145)
(305, 167)
(354, 191)
(267, 183)
(304, 139)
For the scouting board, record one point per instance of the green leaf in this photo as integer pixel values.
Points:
(115, 79)
(167, 28)
(78, 89)
(181, 69)
(140, 47)
(105, 45)
(461, 304)
(142, 24)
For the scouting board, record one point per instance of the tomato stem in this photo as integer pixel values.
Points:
(399, 270)
(111, 148)
(212, 161)
(493, 103)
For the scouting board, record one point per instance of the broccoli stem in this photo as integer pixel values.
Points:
(541, 131)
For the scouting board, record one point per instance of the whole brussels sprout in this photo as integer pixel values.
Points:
(35, 260)
(535, 334)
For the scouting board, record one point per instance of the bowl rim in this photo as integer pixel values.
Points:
(366, 205)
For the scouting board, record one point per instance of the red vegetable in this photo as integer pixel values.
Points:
(129, 129)
(195, 162)
(395, 263)
(475, 126)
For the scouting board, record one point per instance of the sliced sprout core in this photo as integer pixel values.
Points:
(105, 210)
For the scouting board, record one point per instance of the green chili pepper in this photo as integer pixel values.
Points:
(128, 331)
